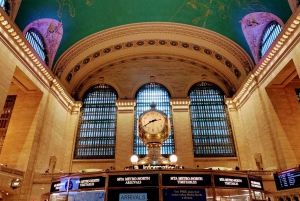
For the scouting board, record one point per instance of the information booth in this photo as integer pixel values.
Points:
(157, 185)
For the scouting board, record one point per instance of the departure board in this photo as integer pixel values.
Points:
(287, 179)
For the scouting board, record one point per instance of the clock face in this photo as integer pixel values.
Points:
(153, 122)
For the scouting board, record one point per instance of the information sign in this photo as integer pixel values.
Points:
(186, 194)
(287, 179)
(87, 182)
(59, 186)
(134, 180)
(186, 180)
(256, 182)
(230, 181)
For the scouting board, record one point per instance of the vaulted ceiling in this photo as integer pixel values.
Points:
(99, 37)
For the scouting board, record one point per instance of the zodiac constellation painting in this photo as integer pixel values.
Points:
(69, 4)
(220, 8)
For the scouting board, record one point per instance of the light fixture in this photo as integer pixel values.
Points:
(173, 158)
(134, 159)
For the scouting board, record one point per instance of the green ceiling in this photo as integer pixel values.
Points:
(81, 20)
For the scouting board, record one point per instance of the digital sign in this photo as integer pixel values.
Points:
(186, 180)
(256, 182)
(59, 186)
(186, 194)
(230, 181)
(134, 180)
(287, 179)
(134, 194)
(87, 182)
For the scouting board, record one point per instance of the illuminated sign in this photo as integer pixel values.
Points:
(186, 194)
(230, 181)
(86, 182)
(59, 186)
(256, 182)
(136, 180)
(186, 180)
(287, 179)
(133, 197)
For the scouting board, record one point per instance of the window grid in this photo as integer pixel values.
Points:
(211, 129)
(153, 92)
(36, 41)
(269, 35)
(5, 118)
(96, 134)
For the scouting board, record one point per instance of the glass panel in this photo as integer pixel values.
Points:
(269, 35)
(2, 3)
(36, 41)
(153, 92)
(211, 130)
(97, 126)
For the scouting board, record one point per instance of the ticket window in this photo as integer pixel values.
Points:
(223, 194)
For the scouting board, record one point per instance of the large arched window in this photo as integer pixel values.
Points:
(96, 135)
(211, 130)
(270, 33)
(37, 42)
(148, 93)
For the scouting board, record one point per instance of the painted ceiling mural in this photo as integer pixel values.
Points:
(81, 18)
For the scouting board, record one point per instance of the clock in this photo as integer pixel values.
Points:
(152, 122)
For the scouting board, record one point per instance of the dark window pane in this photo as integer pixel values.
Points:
(96, 134)
(37, 42)
(5, 118)
(148, 93)
(211, 130)
(270, 33)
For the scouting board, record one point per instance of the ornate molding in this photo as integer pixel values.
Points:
(180, 104)
(79, 84)
(99, 54)
(26, 54)
(155, 28)
(271, 58)
(125, 106)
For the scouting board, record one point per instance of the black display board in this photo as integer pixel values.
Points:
(133, 180)
(59, 186)
(134, 195)
(256, 182)
(287, 179)
(186, 180)
(87, 182)
(230, 181)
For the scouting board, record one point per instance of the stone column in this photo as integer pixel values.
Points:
(124, 133)
(182, 132)
(240, 140)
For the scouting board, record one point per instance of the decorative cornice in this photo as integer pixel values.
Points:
(197, 49)
(180, 30)
(180, 104)
(269, 61)
(32, 61)
(78, 85)
(125, 106)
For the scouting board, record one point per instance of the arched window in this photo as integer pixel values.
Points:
(96, 135)
(211, 130)
(37, 42)
(148, 93)
(2, 3)
(270, 33)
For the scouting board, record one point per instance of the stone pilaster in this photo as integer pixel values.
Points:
(182, 131)
(124, 133)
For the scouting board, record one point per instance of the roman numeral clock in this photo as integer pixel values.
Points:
(154, 129)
